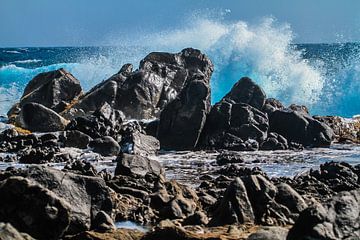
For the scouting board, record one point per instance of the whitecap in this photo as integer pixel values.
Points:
(28, 61)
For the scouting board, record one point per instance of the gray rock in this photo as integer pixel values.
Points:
(86, 195)
(137, 165)
(76, 139)
(135, 142)
(38, 118)
(234, 207)
(269, 233)
(339, 218)
(288, 197)
(8, 232)
(105, 146)
(33, 209)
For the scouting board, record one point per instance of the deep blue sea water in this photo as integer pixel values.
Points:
(325, 77)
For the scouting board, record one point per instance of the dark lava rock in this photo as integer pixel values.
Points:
(146, 91)
(246, 91)
(298, 126)
(183, 119)
(105, 121)
(234, 207)
(38, 118)
(198, 218)
(85, 196)
(51, 89)
(105, 146)
(339, 218)
(76, 139)
(33, 209)
(81, 167)
(136, 165)
(228, 158)
(271, 105)
(238, 122)
(38, 155)
(274, 141)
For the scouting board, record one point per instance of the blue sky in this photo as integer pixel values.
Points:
(89, 22)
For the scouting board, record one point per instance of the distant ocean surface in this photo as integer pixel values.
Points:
(325, 77)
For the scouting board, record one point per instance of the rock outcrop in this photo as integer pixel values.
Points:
(145, 92)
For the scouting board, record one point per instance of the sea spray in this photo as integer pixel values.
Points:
(324, 77)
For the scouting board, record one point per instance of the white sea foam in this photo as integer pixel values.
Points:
(28, 61)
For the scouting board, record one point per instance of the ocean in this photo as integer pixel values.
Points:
(325, 77)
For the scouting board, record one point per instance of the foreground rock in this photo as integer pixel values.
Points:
(84, 196)
(339, 218)
(8, 232)
(33, 209)
(145, 92)
(55, 90)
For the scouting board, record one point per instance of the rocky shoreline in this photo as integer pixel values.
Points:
(165, 104)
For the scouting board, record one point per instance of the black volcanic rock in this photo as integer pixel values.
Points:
(145, 92)
(298, 126)
(38, 118)
(183, 119)
(54, 89)
(243, 123)
(33, 209)
(246, 91)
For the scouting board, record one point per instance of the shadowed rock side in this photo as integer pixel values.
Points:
(55, 90)
(145, 92)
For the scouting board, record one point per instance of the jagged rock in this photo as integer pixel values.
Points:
(105, 121)
(339, 218)
(38, 155)
(118, 234)
(298, 126)
(271, 105)
(246, 91)
(81, 167)
(54, 89)
(235, 206)
(86, 195)
(38, 118)
(183, 119)
(237, 122)
(33, 209)
(105, 146)
(274, 141)
(8, 232)
(198, 218)
(137, 165)
(144, 92)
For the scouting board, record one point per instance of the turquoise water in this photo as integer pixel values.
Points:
(325, 77)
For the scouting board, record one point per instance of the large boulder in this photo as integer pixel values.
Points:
(38, 118)
(105, 146)
(183, 119)
(8, 232)
(136, 165)
(235, 207)
(339, 218)
(246, 91)
(234, 122)
(145, 92)
(298, 126)
(54, 89)
(85, 195)
(33, 209)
